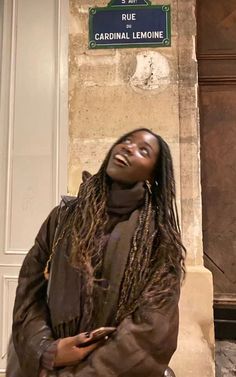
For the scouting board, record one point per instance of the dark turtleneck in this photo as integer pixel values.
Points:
(122, 201)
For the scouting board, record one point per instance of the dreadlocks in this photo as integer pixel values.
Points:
(155, 260)
(156, 257)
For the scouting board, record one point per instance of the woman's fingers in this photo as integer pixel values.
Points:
(88, 349)
(69, 352)
(80, 338)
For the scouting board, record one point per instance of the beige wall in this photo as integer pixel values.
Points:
(113, 91)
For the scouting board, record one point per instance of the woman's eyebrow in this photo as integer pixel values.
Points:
(148, 145)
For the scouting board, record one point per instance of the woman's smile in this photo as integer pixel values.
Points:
(121, 160)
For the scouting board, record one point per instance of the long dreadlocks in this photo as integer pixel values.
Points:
(155, 260)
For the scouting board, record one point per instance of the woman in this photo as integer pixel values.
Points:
(113, 256)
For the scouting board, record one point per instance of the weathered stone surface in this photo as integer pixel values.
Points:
(152, 72)
(195, 352)
(225, 358)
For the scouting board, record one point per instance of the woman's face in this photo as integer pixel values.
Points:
(134, 159)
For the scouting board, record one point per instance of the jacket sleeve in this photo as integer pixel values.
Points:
(142, 345)
(31, 322)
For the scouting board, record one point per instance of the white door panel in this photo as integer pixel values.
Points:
(8, 284)
(33, 132)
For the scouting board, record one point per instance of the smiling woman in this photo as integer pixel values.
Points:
(114, 258)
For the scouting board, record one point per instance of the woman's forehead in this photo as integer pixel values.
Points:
(146, 137)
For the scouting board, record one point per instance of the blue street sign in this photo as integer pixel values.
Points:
(129, 23)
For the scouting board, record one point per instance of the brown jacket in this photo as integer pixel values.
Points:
(141, 347)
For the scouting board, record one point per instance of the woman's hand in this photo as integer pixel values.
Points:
(68, 351)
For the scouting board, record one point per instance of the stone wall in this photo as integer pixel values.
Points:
(116, 90)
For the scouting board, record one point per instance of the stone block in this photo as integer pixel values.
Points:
(195, 353)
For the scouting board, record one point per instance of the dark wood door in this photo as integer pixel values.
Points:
(216, 53)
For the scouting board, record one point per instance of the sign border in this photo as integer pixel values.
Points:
(165, 43)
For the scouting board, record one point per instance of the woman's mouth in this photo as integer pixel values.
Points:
(122, 160)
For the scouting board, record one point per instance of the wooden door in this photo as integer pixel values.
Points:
(216, 53)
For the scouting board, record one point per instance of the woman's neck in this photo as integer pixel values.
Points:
(122, 186)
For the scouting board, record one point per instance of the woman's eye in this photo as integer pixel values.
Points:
(127, 141)
(144, 151)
